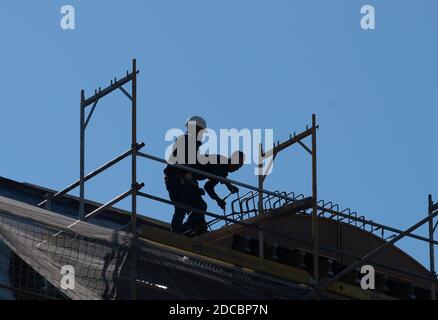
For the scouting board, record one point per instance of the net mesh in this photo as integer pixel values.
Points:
(35, 245)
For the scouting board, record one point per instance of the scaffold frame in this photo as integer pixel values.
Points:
(318, 208)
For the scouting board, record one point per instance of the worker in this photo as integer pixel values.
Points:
(182, 185)
(220, 166)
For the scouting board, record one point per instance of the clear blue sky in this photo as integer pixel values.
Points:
(240, 64)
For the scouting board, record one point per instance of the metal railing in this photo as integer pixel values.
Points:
(267, 200)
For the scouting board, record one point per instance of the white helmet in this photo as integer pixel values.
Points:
(200, 122)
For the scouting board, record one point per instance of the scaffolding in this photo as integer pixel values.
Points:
(131, 77)
(267, 200)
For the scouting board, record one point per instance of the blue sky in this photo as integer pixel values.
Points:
(240, 64)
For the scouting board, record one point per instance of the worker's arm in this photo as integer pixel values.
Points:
(209, 187)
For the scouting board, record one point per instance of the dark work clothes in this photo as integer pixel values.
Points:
(184, 151)
(217, 168)
(183, 187)
(187, 193)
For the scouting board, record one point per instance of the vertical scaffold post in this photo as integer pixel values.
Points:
(82, 159)
(315, 242)
(48, 201)
(134, 180)
(260, 202)
(431, 248)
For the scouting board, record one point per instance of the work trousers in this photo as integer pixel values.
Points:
(186, 192)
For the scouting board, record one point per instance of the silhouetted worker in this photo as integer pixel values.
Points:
(182, 185)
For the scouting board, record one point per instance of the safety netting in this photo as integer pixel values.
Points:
(45, 255)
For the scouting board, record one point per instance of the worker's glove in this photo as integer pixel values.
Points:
(233, 189)
(221, 203)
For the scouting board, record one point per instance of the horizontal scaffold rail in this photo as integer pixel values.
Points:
(114, 86)
(288, 237)
(295, 139)
(92, 174)
(213, 215)
(215, 177)
(277, 195)
(376, 225)
(370, 255)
